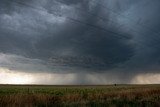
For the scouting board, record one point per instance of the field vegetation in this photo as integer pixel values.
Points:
(73, 96)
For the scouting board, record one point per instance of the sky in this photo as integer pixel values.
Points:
(79, 42)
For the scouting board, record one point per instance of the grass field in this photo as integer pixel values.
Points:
(70, 96)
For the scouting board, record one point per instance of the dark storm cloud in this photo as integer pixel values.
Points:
(146, 58)
(81, 35)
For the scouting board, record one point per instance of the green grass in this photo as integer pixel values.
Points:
(92, 96)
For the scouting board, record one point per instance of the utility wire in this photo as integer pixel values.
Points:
(98, 27)
(78, 21)
(112, 10)
(104, 19)
(127, 17)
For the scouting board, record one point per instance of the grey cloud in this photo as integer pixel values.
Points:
(22, 64)
(43, 30)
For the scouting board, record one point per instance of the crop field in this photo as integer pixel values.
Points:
(80, 96)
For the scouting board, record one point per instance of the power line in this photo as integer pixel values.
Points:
(78, 21)
(97, 27)
(25, 4)
(104, 19)
(140, 24)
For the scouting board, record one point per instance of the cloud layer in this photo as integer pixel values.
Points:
(82, 36)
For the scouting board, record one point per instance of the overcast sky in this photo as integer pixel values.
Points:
(79, 41)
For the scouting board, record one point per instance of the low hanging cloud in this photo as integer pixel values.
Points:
(80, 37)
(13, 77)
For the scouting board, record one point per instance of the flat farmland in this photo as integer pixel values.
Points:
(115, 95)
